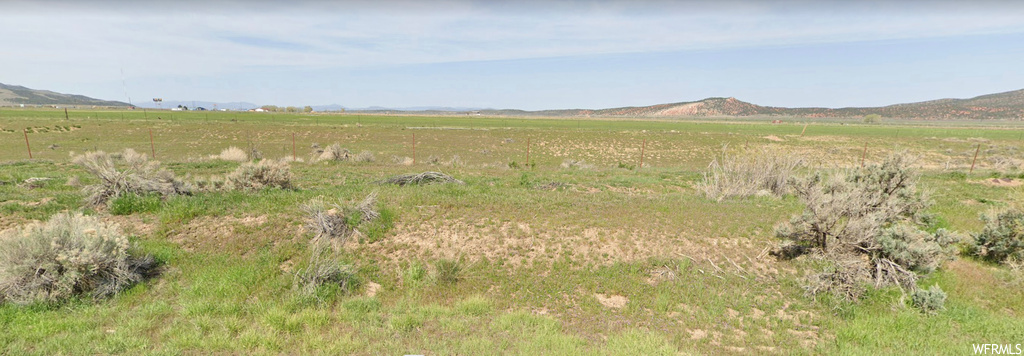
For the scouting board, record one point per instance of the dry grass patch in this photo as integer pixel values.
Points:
(763, 172)
(233, 154)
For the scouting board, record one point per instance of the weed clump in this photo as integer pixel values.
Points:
(420, 179)
(259, 175)
(866, 224)
(67, 256)
(1002, 238)
(760, 173)
(137, 175)
(448, 271)
(325, 270)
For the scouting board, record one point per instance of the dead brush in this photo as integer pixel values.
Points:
(761, 172)
(421, 179)
(332, 225)
(335, 223)
(70, 254)
(137, 175)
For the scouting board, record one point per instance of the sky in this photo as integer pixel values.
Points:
(529, 55)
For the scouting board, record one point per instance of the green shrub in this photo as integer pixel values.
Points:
(929, 301)
(133, 203)
(67, 256)
(1002, 237)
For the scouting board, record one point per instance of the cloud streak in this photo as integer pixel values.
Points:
(84, 42)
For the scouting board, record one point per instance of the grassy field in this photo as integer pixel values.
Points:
(604, 259)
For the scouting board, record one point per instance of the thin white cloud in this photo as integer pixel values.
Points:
(83, 42)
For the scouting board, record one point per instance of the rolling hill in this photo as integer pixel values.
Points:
(17, 95)
(1006, 106)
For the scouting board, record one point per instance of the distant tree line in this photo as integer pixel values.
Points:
(275, 108)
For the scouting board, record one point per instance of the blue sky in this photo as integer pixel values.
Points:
(523, 55)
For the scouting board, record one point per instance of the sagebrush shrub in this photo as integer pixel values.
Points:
(137, 175)
(1002, 238)
(929, 301)
(259, 175)
(753, 173)
(867, 224)
(364, 156)
(334, 153)
(69, 255)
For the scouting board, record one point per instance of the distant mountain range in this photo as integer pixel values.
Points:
(1007, 105)
(14, 95)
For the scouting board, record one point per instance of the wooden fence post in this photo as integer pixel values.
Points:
(414, 148)
(294, 158)
(864, 155)
(527, 152)
(25, 131)
(975, 158)
(152, 147)
(642, 155)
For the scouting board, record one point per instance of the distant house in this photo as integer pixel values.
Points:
(260, 110)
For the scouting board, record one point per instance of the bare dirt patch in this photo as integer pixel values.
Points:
(372, 289)
(697, 334)
(773, 138)
(132, 224)
(611, 301)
